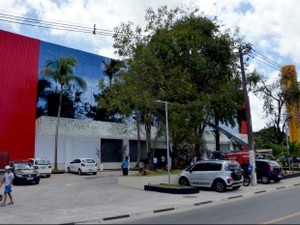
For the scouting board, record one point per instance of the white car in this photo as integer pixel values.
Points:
(83, 165)
(216, 174)
(42, 165)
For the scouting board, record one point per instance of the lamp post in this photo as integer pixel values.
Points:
(167, 137)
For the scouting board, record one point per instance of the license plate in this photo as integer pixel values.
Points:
(29, 178)
(43, 167)
(90, 170)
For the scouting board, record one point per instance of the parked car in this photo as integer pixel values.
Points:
(42, 165)
(216, 174)
(24, 173)
(267, 170)
(83, 165)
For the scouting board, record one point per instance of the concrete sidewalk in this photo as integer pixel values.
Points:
(144, 202)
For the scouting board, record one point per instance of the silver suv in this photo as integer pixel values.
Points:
(216, 174)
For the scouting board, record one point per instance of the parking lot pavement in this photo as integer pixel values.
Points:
(69, 198)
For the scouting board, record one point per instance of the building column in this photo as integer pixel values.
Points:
(68, 151)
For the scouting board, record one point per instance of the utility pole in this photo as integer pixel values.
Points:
(248, 114)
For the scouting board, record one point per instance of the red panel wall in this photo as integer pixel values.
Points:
(18, 87)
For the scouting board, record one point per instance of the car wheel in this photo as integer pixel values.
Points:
(95, 173)
(220, 186)
(277, 180)
(79, 172)
(49, 175)
(37, 182)
(265, 179)
(183, 181)
(68, 169)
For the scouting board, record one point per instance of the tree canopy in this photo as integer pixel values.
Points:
(184, 59)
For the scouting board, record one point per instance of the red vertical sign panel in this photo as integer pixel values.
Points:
(19, 57)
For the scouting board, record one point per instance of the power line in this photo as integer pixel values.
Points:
(264, 62)
(266, 58)
(54, 25)
(104, 32)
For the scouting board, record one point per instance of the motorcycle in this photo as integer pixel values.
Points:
(247, 178)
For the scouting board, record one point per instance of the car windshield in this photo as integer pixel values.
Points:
(88, 161)
(42, 162)
(274, 163)
(232, 166)
(22, 166)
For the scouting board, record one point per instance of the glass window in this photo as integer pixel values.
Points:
(199, 167)
(213, 166)
(274, 163)
(42, 162)
(88, 161)
(233, 166)
(22, 166)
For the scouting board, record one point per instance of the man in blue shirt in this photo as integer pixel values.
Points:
(125, 166)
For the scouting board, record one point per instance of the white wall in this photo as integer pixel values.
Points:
(44, 147)
(85, 147)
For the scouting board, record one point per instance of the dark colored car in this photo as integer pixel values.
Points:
(24, 173)
(267, 170)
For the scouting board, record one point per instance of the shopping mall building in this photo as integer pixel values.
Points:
(22, 135)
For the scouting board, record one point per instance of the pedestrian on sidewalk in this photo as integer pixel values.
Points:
(163, 161)
(154, 162)
(125, 166)
(7, 181)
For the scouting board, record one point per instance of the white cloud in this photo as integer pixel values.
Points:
(270, 25)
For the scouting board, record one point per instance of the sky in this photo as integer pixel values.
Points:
(271, 26)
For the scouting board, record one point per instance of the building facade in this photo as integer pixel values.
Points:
(22, 135)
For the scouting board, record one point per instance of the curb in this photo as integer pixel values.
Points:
(99, 220)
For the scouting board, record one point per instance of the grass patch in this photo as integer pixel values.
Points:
(57, 171)
(157, 173)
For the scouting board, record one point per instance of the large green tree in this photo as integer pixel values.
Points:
(184, 59)
(61, 71)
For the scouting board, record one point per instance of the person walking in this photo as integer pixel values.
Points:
(163, 161)
(7, 181)
(154, 162)
(125, 166)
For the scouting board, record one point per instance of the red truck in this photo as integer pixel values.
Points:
(239, 156)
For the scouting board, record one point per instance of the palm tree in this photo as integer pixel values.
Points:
(111, 69)
(61, 71)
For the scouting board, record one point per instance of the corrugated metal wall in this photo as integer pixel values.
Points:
(18, 87)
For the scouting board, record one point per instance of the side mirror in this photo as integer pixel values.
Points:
(190, 170)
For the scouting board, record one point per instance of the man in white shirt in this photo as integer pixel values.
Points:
(7, 181)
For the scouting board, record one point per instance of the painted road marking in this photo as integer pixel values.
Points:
(281, 218)
(70, 185)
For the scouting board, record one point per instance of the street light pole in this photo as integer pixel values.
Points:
(167, 137)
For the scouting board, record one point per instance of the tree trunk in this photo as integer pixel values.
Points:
(217, 135)
(148, 142)
(139, 147)
(57, 128)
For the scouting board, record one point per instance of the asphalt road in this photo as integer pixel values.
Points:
(280, 207)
